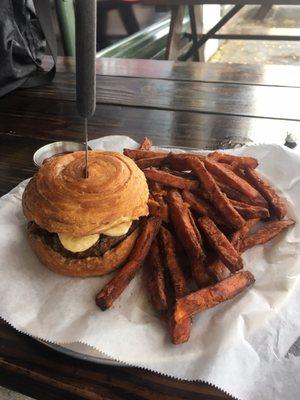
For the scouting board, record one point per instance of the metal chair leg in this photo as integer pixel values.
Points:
(129, 19)
(211, 32)
(196, 24)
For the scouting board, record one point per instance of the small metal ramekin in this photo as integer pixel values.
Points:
(52, 149)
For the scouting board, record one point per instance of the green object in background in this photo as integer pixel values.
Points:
(149, 43)
(66, 20)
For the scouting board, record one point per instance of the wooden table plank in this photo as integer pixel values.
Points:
(248, 74)
(217, 98)
(35, 370)
(52, 120)
(16, 160)
(22, 134)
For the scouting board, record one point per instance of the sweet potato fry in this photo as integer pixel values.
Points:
(171, 261)
(199, 273)
(180, 162)
(146, 144)
(221, 244)
(239, 235)
(164, 209)
(195, 228)
(198, 270)
(217, 268)
(113, 289)
(276, 203)
(189, 237)
(183, 174)
(168, 179)
(242, 162)
(143, 244)
(150, 162)
(236, 169)
(154, 208)
(184, 229)
(249, 211)
(211, 296)
(156, 189)
(234, 194)
(265, 233)
(231, 178)
(137, 154)
(156, 278)
(202, 207)
(217, 198)
(180, 331)
(157, 193)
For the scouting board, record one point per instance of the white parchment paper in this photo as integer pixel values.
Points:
(239, 346)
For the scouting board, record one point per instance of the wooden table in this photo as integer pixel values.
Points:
(197, 105)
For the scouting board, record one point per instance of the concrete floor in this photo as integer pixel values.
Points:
(6, 394)
(283, 20)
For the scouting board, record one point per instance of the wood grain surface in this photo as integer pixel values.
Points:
(208, 97)
(34, 369)
(246, 74)
(193, 105)
(53, 119)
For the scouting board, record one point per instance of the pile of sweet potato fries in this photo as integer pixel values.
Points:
(202, 214)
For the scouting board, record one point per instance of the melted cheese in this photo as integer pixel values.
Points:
(77, 244)
(118, 230)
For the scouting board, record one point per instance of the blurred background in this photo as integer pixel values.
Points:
(133, 29)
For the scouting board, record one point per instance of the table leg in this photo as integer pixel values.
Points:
(173, 41)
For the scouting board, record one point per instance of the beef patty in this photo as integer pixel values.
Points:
(104, 243)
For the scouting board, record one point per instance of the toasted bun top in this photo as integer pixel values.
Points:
(59, 199)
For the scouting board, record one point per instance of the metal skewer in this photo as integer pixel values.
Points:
(85, 18)
(86, 170)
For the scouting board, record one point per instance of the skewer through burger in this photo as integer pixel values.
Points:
(85, 226)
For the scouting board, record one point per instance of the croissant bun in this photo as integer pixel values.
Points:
(59, 199)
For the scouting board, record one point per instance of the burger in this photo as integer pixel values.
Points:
(82, 226)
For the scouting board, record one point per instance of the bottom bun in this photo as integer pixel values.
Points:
(89, 266)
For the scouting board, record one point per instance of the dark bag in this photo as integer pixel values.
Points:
(25, 29)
